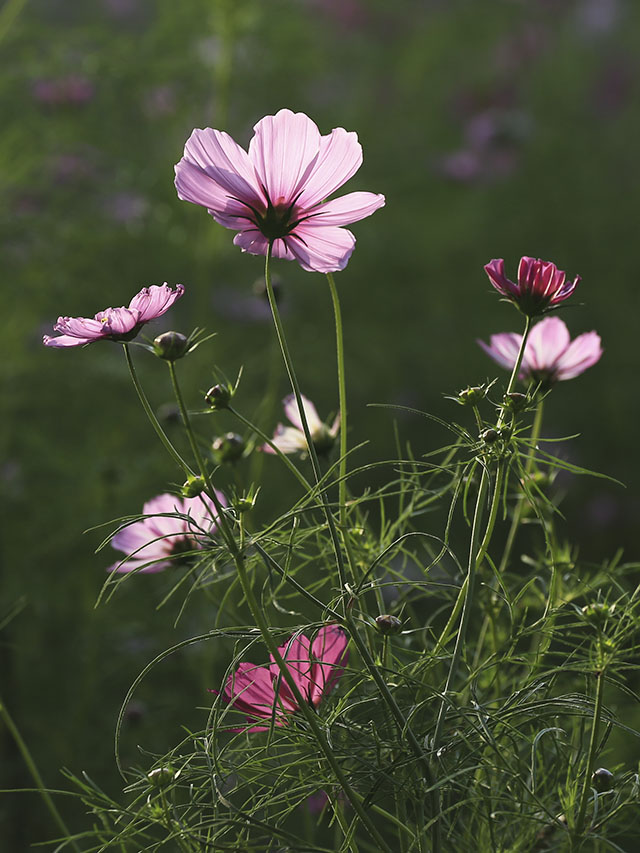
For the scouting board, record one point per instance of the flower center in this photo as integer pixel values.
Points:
(277, 221)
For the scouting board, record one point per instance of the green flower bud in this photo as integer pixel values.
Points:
(161, 776)
(170, 346)
(229, 447)
(388, 624)
(471, 396)
(489, 436)
(219, 396)
(602, 779)
(193, 487)
(515, 401)
(598, 612)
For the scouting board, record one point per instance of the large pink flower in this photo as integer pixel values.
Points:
(550, 355)
(154, 541)
(261, 693)
(291, 439)
(540, 286)
(276, 192)
(115, 324)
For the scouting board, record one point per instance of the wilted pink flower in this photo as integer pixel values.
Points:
(261, 693)
(276, 192)
(541, 285)
(152, 542)
(550, 355)
(291, 439)
(115, 324)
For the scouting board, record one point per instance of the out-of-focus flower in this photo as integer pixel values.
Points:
(540, 286)
(291, 439)
(275, 193)
(154, 541)
(550, 355)
(261, 692)
(160, 101)
(115, 324)
(125, 207)
(72, 90)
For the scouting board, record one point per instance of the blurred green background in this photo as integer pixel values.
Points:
(495, 129)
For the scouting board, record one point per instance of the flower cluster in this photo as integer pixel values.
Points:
(115, 324)
(275, 193)
(171, 526)
(261, 693)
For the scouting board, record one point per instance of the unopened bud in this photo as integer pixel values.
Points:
(170, 346)
(193, 487)
(388, 624)
(598, 612)
(489, 436)
(218, 397)
(161, 776)
(229, 447)
(602, 779)
(515, 401)
(471, 396)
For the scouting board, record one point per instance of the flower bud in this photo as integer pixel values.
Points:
(229, 447)
(193, 487)
(598, 612)
(219, 396)
(388, 624)
(161, 776)
(602, 779)
(489, 436)
(515, 401)
(170, 346)
(471, 396)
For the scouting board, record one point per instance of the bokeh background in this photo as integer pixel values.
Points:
(495, 129)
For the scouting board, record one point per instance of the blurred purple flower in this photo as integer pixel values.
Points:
(126, 207)
(261, 693)
(540, 286)
(74, 90)
(115, 324)
(291, 439)
(160, 101)
(550, 355)
(276, 192)
(155, 540)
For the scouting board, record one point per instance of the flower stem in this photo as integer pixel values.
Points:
(342, 392)
(35, 774)
(152, 416)
(591, 757)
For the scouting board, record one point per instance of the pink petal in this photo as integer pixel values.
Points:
(284, 151)
(67, 341)
(347, 209)
(255, 243)
(292, 412)
(547, 341)
(140, 566)
(250, 690)
(161, 525)
(495, 270)
(152, 302)
(195, 185)
(339, 158)
(287, 440)
(321, 248)
(581, 354)
(119, 321)
(297, 655)
(331, 655)
(503, 348)
(223, 160)
(80, 327)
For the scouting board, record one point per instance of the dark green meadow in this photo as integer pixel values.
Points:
(495, 129)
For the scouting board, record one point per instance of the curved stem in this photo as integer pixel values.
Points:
(35, 774)
(152, 415)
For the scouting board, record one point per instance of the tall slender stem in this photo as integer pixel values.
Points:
(342, 392)
(152, 415)
(591, 757)
(35, 774)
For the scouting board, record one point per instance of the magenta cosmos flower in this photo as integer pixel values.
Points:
(291, 439)
(115, 324)
(275, 193)
(261, 693)
(540, 286)
(153, 542)
(550, 355)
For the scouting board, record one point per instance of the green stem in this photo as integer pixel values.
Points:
(35, 774)
(591, 757)
(152, 416)
(342, 391)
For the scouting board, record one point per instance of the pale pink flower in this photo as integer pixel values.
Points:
(550, 355)
(540, 286)
(261, 692)
(115, 324)
(170, 526)
(291, 439)
(276, 192)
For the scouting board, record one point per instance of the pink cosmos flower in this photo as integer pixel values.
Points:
(155, 540)
(275, 192)
(540, 287)
(115, 324)
(260, 692)
(291, 439)
(550, 355)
